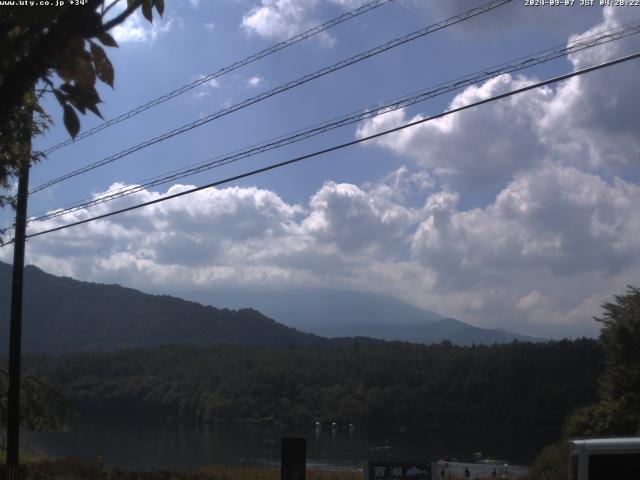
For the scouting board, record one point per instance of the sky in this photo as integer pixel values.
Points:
(519, 214)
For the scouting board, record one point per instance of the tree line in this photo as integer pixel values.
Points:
(517, 385)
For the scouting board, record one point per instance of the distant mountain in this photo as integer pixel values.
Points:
(331, 313)
(65, 315)
(460, 333)
(457, 332)
(325, 312)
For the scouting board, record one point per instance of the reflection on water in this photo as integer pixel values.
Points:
(185, 445)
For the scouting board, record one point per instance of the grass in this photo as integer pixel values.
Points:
(25, 458)
(75, 469)
(71, 469)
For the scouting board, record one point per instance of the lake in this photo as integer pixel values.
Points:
(182, 445)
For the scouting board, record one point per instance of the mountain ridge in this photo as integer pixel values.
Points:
(333, 314)
(100, 317)
(62, 314)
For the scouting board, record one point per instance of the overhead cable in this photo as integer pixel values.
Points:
(340, 146)
(282, 88)
(223, 71)
(403, 102)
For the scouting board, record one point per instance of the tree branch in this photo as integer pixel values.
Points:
(105, 10)
(122, 17)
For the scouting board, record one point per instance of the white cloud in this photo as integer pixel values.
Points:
(530, 300)
(476, 147)
(137, 29)
(281, 19)
(554, 218)
(206, 88)
(553, 245)
(357, 221)
(254, 81)
(577, 123)
(401, 184)
(595, 112)
(349, 4)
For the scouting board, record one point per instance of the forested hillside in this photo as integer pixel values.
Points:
(66, 315)
(514, 385)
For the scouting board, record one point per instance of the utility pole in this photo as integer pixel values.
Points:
(15, 334)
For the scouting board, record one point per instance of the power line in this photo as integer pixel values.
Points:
(282, 88)
(522, 63)
(224, 70)
(341, 146)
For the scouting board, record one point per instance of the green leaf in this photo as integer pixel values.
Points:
(75, 63)
(67, 88)
(79, 105)
(62, 99)
(78, 66)
(107, 40)
(82, 97)
(76, 43)
(71, 121)
(103, 67)
(38, 109)
(91, 95)
(95, 110)
(85, 74)
(63, 70)
(160, 6)
(29, 98)
(146, 10)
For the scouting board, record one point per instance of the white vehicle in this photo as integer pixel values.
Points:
(605, 459)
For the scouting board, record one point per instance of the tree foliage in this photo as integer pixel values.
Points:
(552, 463)
(618, 409)
(59, 51)
(42, 407)
(391, 383)
(16, 131)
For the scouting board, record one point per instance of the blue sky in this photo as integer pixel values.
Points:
(520, 214)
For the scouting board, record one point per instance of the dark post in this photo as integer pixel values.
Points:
(293, 458)
(15, 335)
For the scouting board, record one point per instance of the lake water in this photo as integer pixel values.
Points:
(181, 445)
